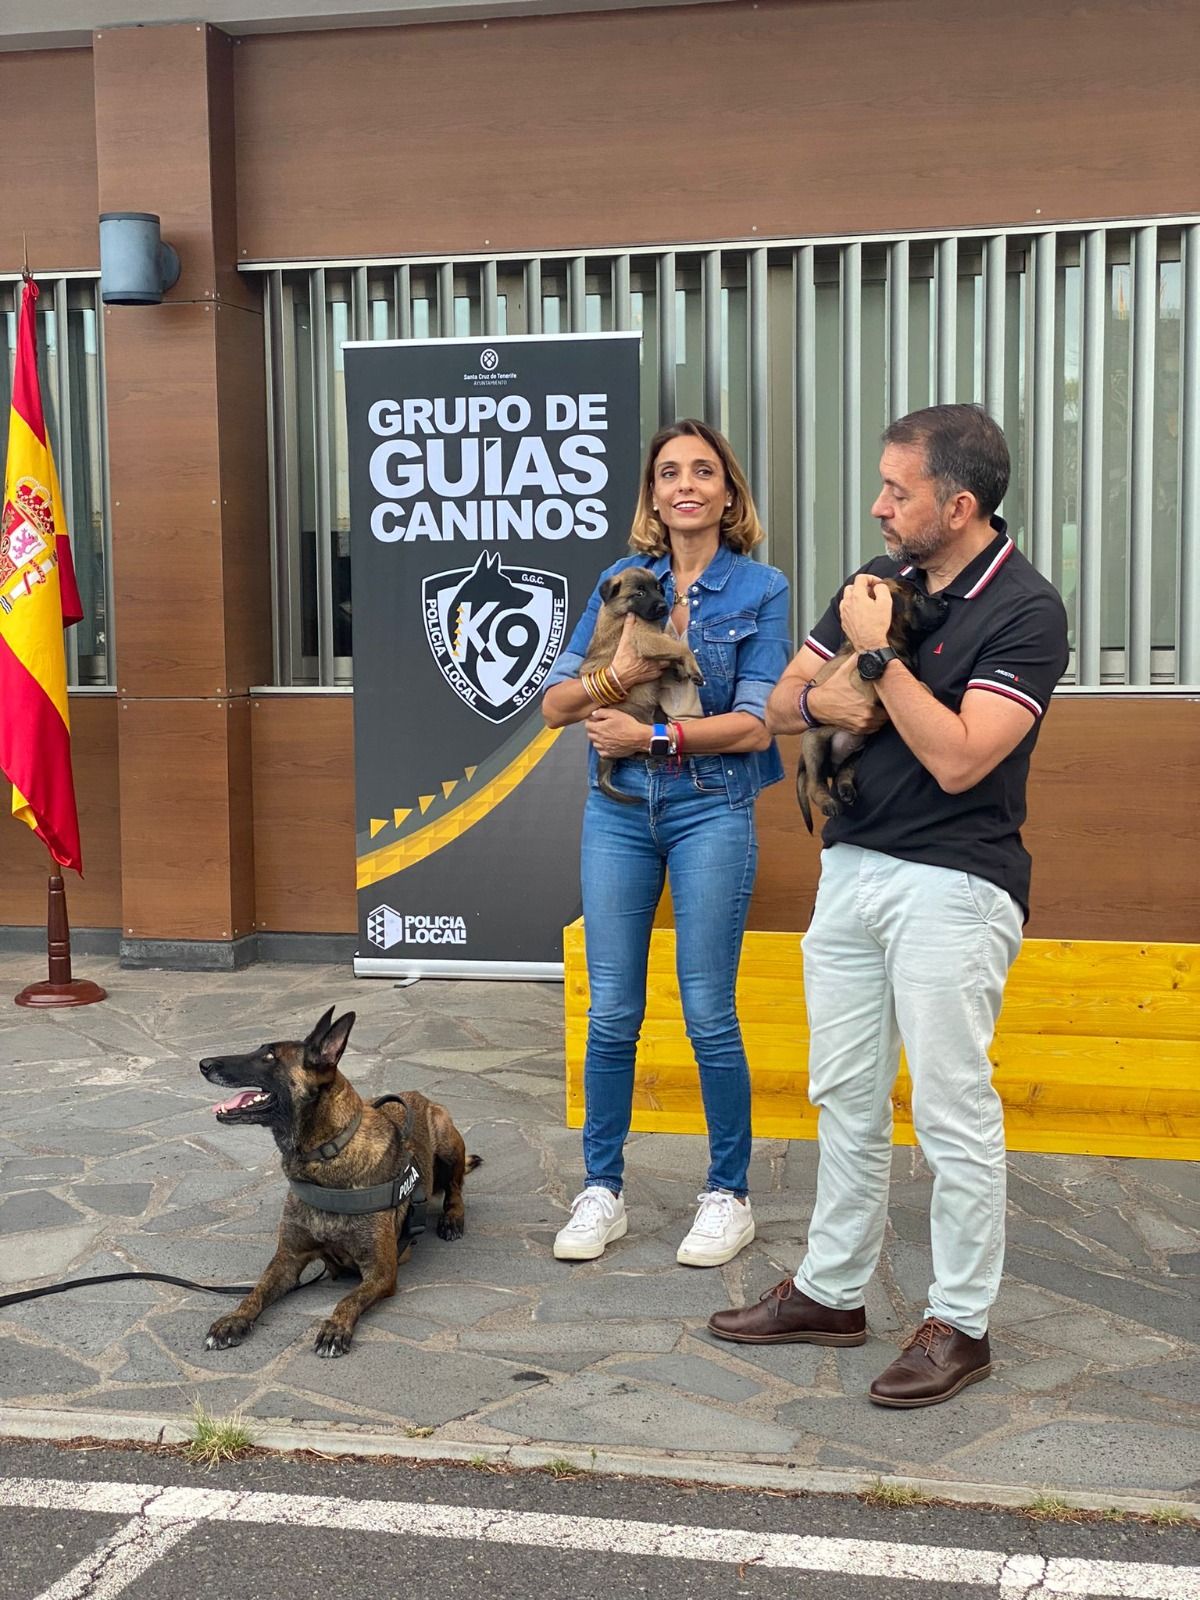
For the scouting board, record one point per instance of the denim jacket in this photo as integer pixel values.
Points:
(738, 633)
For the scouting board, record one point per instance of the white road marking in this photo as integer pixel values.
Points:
(132, 1550)
(1011, 1577)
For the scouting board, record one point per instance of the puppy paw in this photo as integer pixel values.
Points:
(228, 1331)
(845, 791)
(828, 804)
(450, 1227)
(332, 1340)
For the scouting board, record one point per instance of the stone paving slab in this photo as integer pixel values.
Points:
(110, 1160)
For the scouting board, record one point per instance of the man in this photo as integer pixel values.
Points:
(923, 893)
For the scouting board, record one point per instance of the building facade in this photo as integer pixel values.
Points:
(821, 213)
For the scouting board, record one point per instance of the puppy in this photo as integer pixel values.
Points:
(829, 756)
(637, 592)
(329, 1137)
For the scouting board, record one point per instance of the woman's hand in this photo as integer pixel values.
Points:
(615, 734)
(630, 667)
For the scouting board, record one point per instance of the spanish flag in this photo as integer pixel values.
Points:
(38, 599)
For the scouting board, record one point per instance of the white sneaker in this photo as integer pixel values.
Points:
(723, 1226)
(597, 1218)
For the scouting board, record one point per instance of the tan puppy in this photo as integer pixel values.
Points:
(636, 592)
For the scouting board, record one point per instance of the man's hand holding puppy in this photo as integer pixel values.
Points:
(866, 613)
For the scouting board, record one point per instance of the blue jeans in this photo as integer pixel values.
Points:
(684, 826)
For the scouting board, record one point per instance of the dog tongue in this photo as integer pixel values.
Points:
(237, 1102)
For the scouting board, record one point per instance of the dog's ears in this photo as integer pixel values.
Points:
(326, 1051)
(319, 1028)
(608, 588)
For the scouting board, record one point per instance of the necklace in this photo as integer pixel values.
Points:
(681, 611)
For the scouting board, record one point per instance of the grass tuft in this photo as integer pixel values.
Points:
(1047, 1507)
(217, 1439)
(888, 1493)
(560, 1467)
(1167, 1516)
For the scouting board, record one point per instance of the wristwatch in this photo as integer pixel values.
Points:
(871, 663)
(660, 741)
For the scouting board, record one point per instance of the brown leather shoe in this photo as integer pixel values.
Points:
(786, 1316)
(935, 1364)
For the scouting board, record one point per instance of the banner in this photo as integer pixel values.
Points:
(491, 480)
(38, 599)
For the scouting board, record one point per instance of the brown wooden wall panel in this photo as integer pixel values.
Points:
(228, 284)
(240, 757)
(95, 900)
(49, 162)
(245, 505)
(178, 792)
(1114, 824)
(153, 126)
(1102, 868)
(304, 813)
(1100, 872)
(724, 121)
(162, 429)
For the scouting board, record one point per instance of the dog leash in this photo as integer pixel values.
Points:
(348, 1202)
(154, 1277)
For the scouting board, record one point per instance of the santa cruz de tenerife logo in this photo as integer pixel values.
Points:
(495, 631)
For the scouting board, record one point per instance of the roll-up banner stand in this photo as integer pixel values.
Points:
(490, 482)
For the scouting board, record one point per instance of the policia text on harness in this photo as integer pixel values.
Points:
(406, 1185)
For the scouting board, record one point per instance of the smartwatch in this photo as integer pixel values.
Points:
(660, 740)
(871, 663)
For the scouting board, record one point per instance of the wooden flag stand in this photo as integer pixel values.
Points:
(61, 989)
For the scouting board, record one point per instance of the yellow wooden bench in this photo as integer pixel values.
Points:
(1097, 1051)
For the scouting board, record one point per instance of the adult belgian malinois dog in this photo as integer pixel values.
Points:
(636, 592)
(353, 1169)
(829, 756)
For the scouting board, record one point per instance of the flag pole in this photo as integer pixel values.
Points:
(60, 989)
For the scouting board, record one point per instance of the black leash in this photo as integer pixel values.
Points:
(383, 1197)
(125, 1277)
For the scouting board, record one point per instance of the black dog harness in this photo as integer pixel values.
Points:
(405, 1186)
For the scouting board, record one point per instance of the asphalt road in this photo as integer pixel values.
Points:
(93, 1524)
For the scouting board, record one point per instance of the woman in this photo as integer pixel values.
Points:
(694, 820)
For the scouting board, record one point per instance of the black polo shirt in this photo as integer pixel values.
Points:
(1005, 633)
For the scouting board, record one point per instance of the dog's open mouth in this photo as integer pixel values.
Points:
(248, 1105)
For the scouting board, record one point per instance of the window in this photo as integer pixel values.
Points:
(1082, 341)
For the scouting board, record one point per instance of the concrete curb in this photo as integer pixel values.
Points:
(118, 1428)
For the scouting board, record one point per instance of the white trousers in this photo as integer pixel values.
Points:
(902, 952)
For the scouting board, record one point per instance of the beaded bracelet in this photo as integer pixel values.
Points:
(802, 706)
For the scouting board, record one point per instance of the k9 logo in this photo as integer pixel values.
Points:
(495, 631)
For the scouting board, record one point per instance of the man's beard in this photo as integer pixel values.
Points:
(921, 547)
